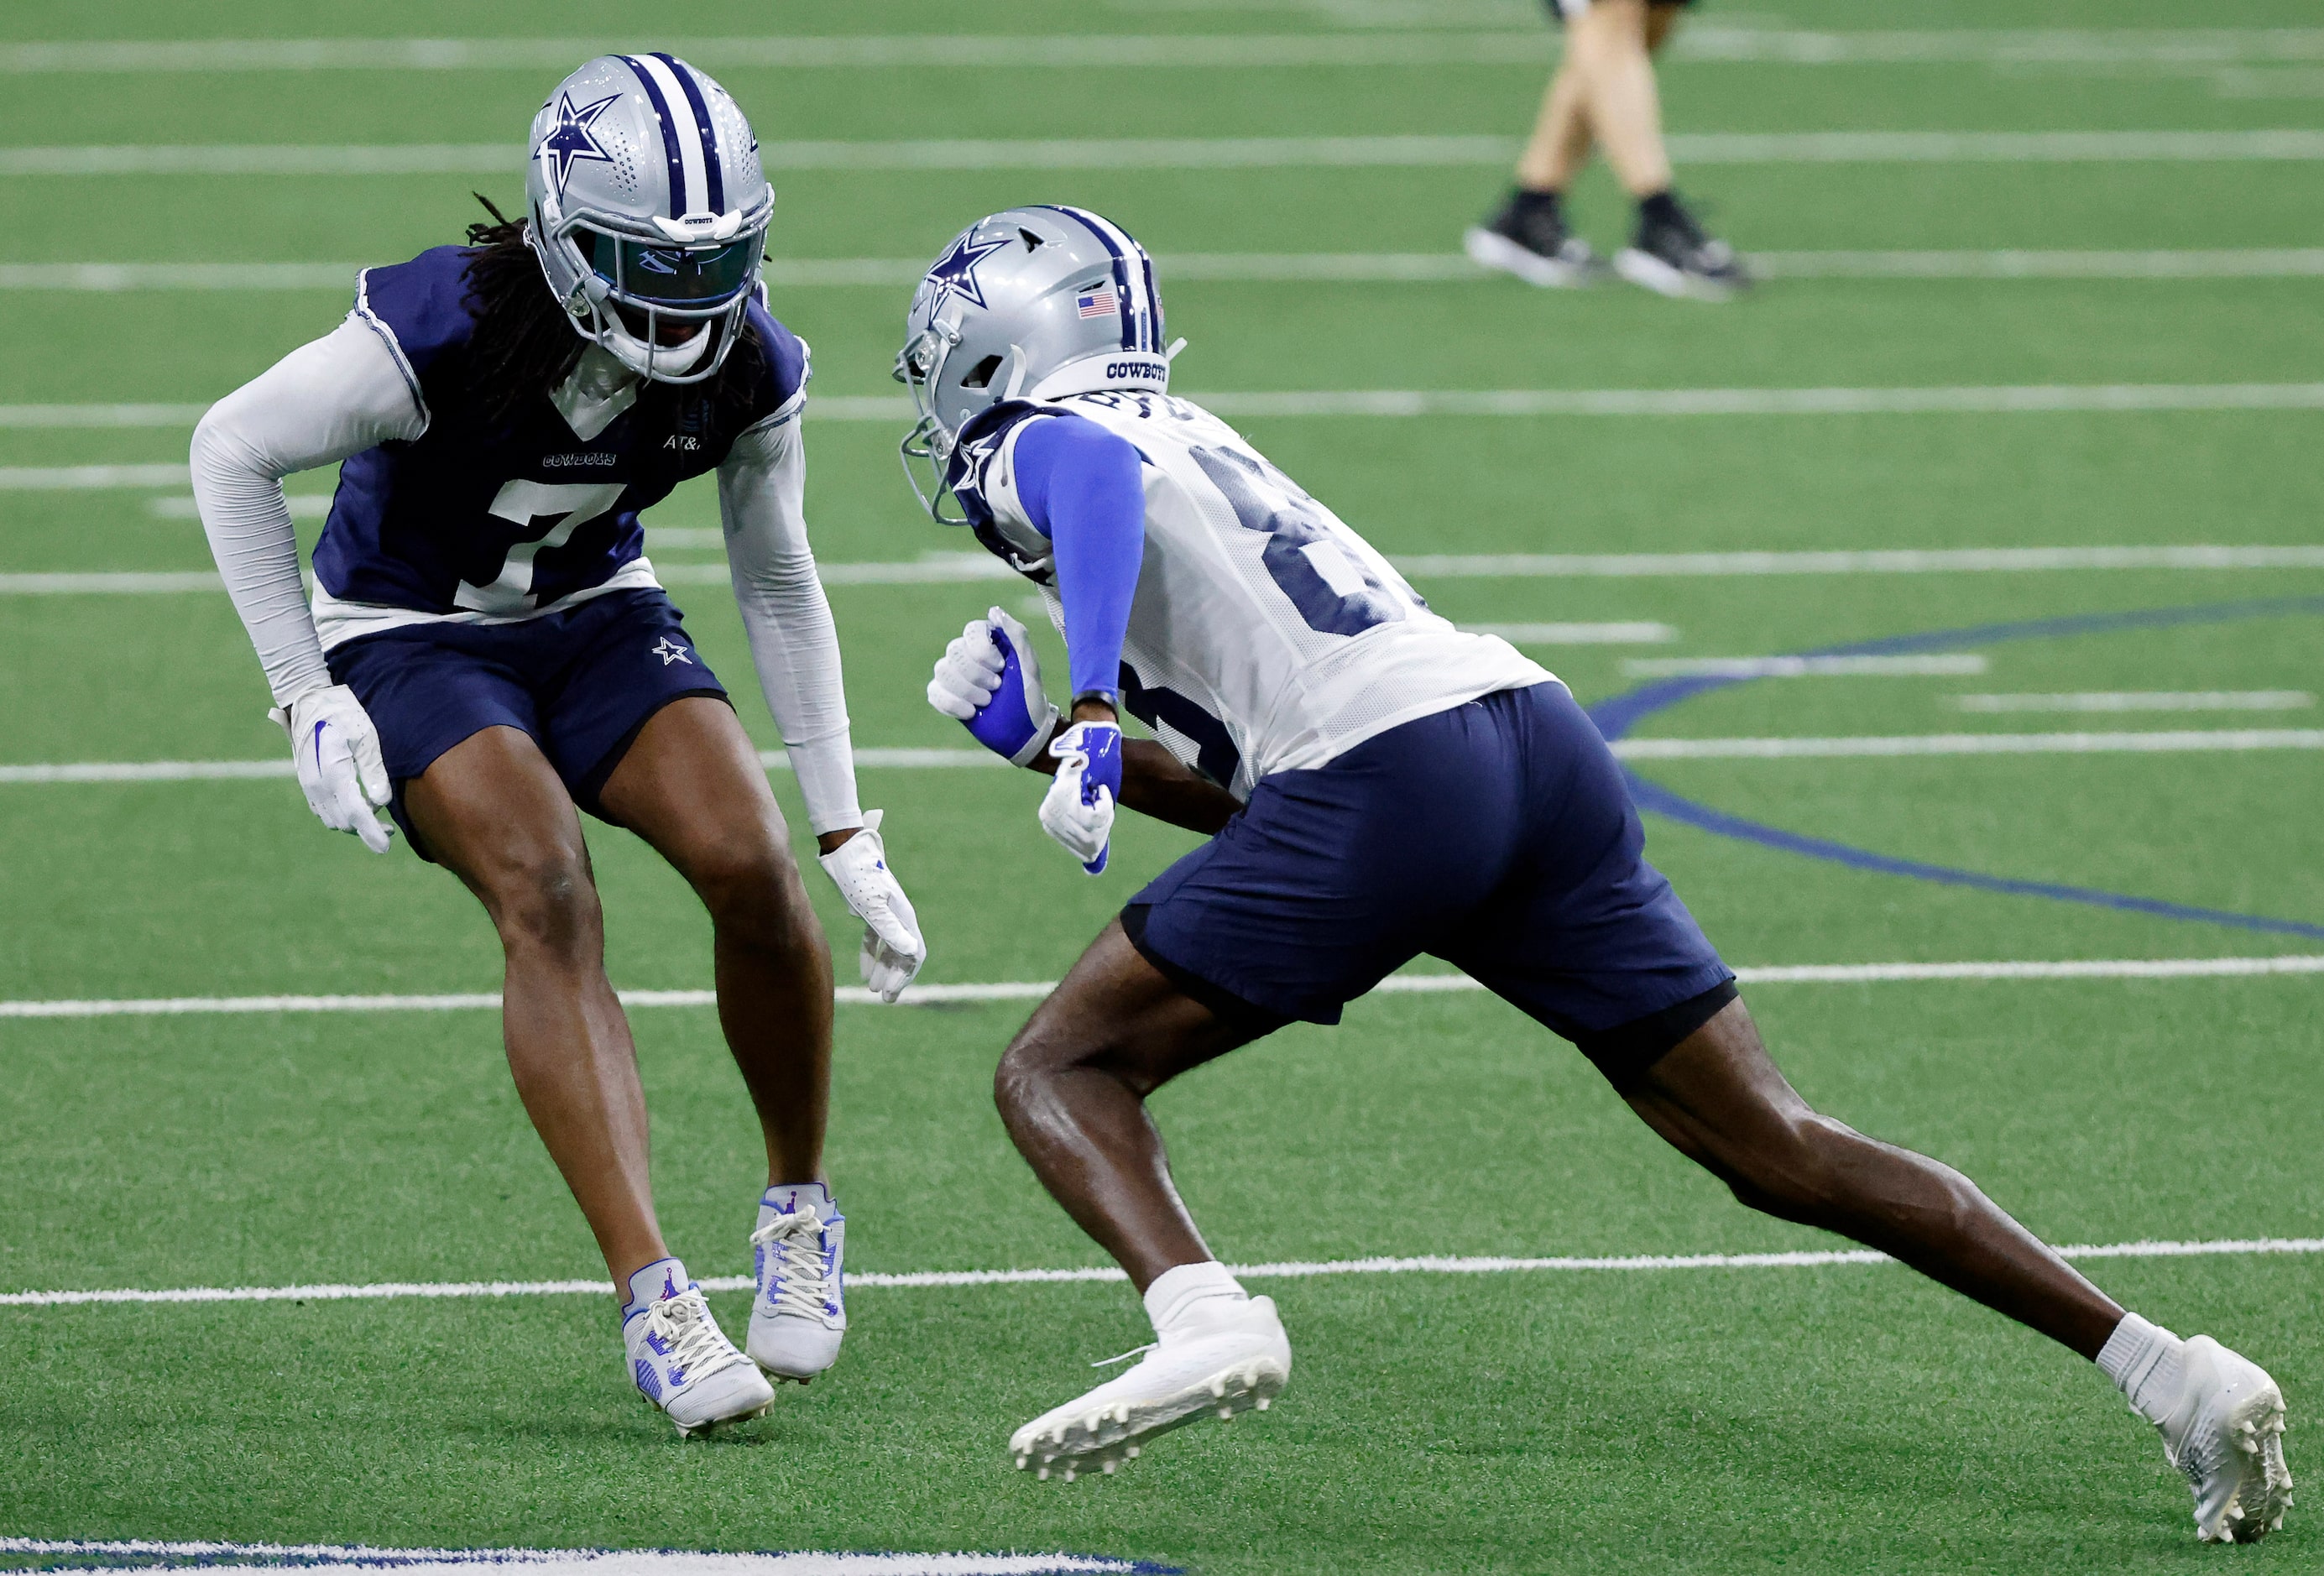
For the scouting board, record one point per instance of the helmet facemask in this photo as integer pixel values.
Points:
(637, 281)
(928, 447)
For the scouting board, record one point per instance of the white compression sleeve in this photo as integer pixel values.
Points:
(794, 644)
(335, 397)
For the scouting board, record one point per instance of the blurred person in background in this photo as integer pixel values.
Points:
(1603, 95)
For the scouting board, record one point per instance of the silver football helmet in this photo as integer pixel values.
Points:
(1031, 303)
(648, 211)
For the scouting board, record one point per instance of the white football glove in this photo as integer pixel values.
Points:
(990, 678)
(892, 951)
(337, 751)
(1078, 808)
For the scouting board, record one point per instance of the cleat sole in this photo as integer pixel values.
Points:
(2260, 1501)
(1119, 1434)
(695, 1431)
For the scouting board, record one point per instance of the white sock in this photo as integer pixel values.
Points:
(785, 1198)
(1181, 1293)
(2144, 1360)
(664, 1277)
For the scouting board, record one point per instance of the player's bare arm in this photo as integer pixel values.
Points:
(1275, 654)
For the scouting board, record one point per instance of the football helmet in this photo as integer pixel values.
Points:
(648, 211)
(1031, 303)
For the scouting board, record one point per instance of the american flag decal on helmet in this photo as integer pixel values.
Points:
(1097, 303)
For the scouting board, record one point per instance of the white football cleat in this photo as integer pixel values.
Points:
(799, 1314)
(2226, 1434)
(1236, 1360)
(683, 1363)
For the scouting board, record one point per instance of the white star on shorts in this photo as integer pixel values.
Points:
(670, 652)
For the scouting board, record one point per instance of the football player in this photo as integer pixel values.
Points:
(1603, 94)
(488, 653)
(1378, 785)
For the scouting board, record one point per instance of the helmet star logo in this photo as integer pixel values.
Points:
(955, 274)
(570, 138)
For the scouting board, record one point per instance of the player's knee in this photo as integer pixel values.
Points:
(1033, 1059)
(1021, 1069)
(753, 894)
(544, 897)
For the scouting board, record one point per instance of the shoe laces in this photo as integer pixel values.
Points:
(799, 1284)
(691, 1335)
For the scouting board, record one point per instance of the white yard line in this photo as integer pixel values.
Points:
(792, 273)
(940, 568)
(80, 416)
(2158, 46)
(86, 771)
(1997, 398)
(1841, 147)
(2293, 964)
(1293, 1269)
(1431, 43)
(2253, 262)
(1943, 662)
(1528, 49)
(1578, 634)
(1976, 399)
(972, 758)
(115, 277)
(111, 583)
(2203, 741)
(1880, 561)
(241, 1558)
(2141, 700)
(82, 478)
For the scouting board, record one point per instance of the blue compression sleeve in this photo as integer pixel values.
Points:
(1081, 488)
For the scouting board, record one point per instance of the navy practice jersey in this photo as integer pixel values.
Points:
(519, 517)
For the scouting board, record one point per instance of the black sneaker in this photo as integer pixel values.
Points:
(1671, 255)
(1528, 238)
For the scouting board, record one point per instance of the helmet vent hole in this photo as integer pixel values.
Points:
(1032, 242)
(980, 376)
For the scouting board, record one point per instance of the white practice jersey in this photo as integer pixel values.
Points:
(1266, 635)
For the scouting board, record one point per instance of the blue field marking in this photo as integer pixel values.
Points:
(1616, 716)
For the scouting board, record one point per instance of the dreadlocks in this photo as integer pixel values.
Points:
(524, 343)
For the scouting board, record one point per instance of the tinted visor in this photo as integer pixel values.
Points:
(664, 275)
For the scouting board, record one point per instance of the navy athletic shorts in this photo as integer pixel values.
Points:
(1497, 835)
(581, 682)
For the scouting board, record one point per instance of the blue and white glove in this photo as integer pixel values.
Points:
(990, 680)
(337, 751)
(1078, 808)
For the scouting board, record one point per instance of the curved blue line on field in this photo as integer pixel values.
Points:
(1616, 716)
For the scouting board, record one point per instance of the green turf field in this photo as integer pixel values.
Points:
(1830, 1419)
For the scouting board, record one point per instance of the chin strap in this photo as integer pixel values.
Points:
(649, 360)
